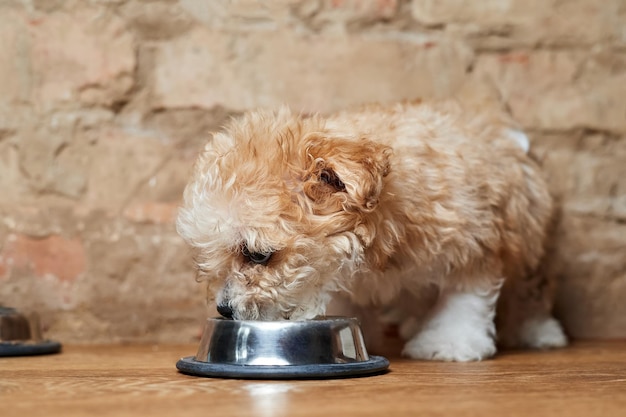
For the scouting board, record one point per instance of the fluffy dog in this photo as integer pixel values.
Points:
(380, 203)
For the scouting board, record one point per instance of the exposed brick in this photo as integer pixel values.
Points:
(50, 164)
(318, 73)
(141, 284)
(39, 219)
(340, 14)
(587, 171)
(121, 163)
(188, 125)
(86, 54)
(242, 15)
(48, 5)
(61, 57)
(13, 116)
(16, 83)
(165, 186)
(507, 23)
(158, 19)
(151, 212)
(561, 89)
(253, 15)
(55, 255)
(11, 181)
(592, 265)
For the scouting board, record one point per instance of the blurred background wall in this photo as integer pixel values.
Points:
(104, 105)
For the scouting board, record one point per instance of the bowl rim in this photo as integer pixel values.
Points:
(316, 321)
(376, 365)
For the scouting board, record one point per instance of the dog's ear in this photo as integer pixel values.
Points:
(345, 173)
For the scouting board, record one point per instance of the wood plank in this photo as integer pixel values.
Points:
(587, 379)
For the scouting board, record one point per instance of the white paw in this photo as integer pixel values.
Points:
(542, 333)
(463, 347)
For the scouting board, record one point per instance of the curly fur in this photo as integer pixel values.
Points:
(377, 203)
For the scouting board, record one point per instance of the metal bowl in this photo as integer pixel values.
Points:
(324, 347)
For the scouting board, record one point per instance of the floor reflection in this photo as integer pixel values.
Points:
(268, 398)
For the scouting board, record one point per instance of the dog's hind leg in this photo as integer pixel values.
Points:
(460, 327)
(524, 314)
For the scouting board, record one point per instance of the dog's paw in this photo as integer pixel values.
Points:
(544, 333)
(433, 345)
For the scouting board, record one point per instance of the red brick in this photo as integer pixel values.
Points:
(54, 255)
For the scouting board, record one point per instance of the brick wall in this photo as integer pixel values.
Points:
(105, 103)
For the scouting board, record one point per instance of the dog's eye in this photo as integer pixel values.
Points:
(329, 177)
(261, 258)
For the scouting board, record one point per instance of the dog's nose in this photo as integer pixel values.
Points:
(225, 311)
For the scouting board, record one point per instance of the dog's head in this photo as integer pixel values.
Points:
(279, 210)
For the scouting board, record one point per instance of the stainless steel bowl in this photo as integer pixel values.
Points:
(325, 347)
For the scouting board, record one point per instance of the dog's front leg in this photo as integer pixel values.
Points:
(459, 328)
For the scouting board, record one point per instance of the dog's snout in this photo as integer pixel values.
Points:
(225, 311)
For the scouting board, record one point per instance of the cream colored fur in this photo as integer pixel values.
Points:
(378, 203)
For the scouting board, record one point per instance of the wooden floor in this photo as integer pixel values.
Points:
(587, 379)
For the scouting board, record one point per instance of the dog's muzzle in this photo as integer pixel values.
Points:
(225, 311)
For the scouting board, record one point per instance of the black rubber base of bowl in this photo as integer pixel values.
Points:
(27, 349)
(375, 365)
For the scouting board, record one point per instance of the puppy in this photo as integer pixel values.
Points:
(380, 203)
